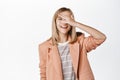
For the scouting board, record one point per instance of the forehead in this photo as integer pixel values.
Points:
(65, 13)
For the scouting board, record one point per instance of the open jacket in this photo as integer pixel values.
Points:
(50, 62)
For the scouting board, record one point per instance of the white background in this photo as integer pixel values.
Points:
(26, 23)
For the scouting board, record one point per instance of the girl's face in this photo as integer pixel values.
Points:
(63, 27)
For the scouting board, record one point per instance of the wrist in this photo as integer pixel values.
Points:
(75, 24)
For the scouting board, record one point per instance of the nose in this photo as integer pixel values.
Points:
(63, 23)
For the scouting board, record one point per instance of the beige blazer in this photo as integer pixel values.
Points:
(50, 63)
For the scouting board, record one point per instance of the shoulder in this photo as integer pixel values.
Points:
(80, 35)
(45, 44)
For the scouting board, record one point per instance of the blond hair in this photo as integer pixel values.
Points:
(55, 34)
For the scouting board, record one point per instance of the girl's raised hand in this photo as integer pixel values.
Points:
(68, 19)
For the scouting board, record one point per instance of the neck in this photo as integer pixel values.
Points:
(63, 38)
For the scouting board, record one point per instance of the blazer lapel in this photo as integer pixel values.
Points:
(74, 52)
(57, 62)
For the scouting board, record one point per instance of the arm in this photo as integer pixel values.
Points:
(96, 37)
(92, 31)
(42, 63)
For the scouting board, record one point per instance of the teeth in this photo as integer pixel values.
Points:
(63, 27)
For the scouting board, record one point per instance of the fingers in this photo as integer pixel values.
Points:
(66, 17)
(61, 16)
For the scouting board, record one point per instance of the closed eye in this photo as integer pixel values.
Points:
(59, 18)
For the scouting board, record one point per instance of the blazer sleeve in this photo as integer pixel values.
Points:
(90, 43)
(42, 63)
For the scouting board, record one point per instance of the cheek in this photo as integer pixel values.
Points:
(57, 22)
(58, 25)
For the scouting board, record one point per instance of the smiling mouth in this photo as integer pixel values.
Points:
(65, 27)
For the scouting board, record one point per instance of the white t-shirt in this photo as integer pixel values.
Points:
(67, 66)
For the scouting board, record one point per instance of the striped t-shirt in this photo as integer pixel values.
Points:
(67, 67)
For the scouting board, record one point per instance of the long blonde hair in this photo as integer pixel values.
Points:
(55, 34)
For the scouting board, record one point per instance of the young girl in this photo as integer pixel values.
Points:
(64, 55)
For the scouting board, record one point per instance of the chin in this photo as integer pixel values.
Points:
(64, 32)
